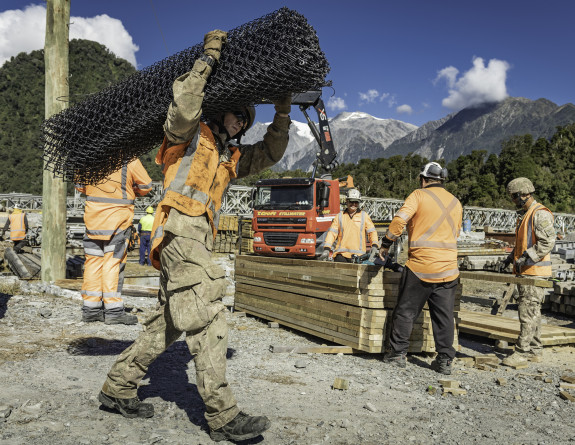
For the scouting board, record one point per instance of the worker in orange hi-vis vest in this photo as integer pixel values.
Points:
(17, 222)
(433, 219)
(108, 216)
(198, 162)
(349, 232)
(531, 258)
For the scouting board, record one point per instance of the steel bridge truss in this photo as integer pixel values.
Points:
(237, 201)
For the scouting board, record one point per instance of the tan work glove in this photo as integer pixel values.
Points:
(283, 105)
(213, 43)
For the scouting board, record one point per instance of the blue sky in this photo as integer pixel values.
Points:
(414, 61)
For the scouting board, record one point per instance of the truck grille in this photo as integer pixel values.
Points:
(280, 238)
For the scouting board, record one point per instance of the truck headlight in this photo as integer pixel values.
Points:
(308, 241)
(257, 239)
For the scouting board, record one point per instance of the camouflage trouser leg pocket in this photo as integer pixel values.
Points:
(194, 285)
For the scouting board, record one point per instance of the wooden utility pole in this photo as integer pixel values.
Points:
(56, 94)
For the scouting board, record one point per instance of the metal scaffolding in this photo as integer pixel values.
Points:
(237, 202)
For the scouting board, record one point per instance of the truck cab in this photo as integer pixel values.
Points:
(291, 215)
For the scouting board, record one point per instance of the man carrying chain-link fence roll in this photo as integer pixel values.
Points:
(198, 163)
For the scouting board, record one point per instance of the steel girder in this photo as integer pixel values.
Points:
(237, 202)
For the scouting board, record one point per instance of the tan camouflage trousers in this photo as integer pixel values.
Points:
(529, 301)
(191, 290)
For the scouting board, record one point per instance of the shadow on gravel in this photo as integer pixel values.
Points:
(95, 346)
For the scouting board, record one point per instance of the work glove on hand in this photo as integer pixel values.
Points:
(324, 256)
(283, 104)
(502, 265)
(519, 262)
(373, 252)
(213, 43)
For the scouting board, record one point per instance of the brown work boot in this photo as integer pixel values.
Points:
(243, 427)
(535, 356)
(121, 318)
(130, 408)
(516, 359)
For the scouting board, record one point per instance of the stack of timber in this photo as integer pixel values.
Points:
(227, 235)
(563, 298)
(247, 245)
(503, 328)
(27, 265)
(348, 304)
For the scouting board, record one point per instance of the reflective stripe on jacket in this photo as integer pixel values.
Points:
(17, 226)
(350, 234)
(194, 182)
(110, 206)
(524, 239)
(433, 218)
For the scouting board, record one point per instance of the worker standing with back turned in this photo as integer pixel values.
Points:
(198, 162)
(108, 215)
(349, 231)
(145, 231)
(433, 218)
(534, 239)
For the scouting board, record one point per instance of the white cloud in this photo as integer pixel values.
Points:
(404, 109)
(477, 85)
(336, 104)
(102, 28)
(368, 97)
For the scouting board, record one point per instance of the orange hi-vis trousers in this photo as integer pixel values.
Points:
(104, 271)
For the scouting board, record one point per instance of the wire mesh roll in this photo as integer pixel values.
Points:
(269, 57)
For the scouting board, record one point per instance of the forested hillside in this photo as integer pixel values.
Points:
(92, 68)
(477, 179)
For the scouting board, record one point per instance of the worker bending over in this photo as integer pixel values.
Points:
(108, 216)
(433, 218)
(17, 222)
(198, 162)
(349, 231)
(534, 239)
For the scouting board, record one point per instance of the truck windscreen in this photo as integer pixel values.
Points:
(284, 197)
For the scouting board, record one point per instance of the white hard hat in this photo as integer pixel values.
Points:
(353, 195)
(433, 170)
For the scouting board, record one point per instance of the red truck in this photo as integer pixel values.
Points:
(291, 215)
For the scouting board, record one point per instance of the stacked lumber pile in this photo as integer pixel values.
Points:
(348, 304)
(247, 236)
(227, 235)
(563, 298)
(503, 328)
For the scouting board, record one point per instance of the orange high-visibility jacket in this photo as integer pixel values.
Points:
(524, 239)
(194, 182)
(110, 205)
(433, 218)
(17, 226)
(350, 234)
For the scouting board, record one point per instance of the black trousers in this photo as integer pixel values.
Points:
(341, 259)
(413, 294)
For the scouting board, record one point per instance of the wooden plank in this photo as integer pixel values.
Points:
(501, 305)
(314, 349)
(505, 278)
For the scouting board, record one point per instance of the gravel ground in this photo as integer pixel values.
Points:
(52, 366)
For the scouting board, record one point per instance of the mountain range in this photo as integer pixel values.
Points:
(359, 135)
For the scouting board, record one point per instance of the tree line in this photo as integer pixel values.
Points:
(478, 179)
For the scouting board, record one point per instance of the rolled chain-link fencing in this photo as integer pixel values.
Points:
(262, 61)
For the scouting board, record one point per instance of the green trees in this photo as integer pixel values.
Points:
(477, 179)
(92, 68)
